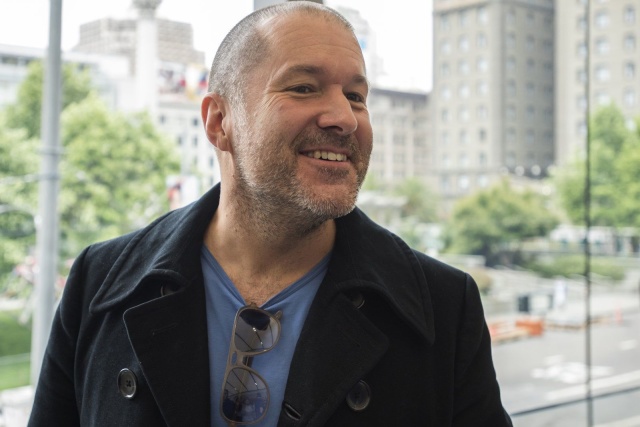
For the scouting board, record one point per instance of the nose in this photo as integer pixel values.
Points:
(337, 113)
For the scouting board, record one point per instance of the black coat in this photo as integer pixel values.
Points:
(419, 340)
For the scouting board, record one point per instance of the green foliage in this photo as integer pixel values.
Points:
(615, 174)
(16, 337)
(494, 220)
(15, 344)
(571, 265)
(113, 169)
(18, 189)
(26, 112)
(421, 202)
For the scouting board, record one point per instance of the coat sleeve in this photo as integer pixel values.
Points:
(477, 394)
(55, 397)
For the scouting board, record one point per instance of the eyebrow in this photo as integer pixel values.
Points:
(314, 70)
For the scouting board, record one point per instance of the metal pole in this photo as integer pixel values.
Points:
(587, 218)
(47, 219)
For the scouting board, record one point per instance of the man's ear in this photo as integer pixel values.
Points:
(214, 110)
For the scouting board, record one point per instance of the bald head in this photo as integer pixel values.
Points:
(246, 45)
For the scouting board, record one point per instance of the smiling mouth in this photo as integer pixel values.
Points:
(327, 155)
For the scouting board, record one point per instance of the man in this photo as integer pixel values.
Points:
(271, 301)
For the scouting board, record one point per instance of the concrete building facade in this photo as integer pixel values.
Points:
(493, 94)
(614, 74)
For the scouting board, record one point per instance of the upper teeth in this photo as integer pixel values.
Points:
(327, 155)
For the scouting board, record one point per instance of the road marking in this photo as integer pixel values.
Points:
(628, 344)
(629, 422)
(596, 385)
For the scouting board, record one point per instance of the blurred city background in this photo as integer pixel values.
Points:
(506, 142)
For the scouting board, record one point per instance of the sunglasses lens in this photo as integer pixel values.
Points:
(256, 331)
(245, 396)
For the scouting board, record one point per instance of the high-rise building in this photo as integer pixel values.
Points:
(614, 74)
(493, 94)
(401, 124)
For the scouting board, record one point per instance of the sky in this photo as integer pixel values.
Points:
(402, 27)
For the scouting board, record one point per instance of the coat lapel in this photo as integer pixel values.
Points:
(337, 347)
(169, 337)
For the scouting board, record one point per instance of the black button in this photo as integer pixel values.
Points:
(127, 383)
(359, 397)
(357, 299)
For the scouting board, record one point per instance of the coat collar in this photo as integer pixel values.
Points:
(365, 257)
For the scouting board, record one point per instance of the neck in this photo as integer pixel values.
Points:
(263, 253)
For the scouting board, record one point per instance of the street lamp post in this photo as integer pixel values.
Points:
(47, 218)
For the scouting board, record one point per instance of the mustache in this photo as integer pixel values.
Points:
(317, 138)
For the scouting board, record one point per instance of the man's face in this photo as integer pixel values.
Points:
(304, 142)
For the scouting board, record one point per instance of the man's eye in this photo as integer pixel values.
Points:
(301, 89)
(355, 97)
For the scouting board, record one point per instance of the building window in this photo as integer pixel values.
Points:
(464, 90)
(463, 43)
(444, 138)
(463, 160)
(531, 137)
(511, 16)
(602, 46)
(581, 76)
(482, 65)
(446, 92)
(581, 103)
(630, 43)
(629, 71)
(482, 135)
(511, 136)
(531, 43)
(195, 141)
(581, 23)
(463, 182)
(444, 115)
(511, 112)
(511, 88)
(482, 159)
(464, 137)
(511, 40)
(531, 112)
(531, 89)
(482, 15)
(444, 22)
(445, 47)
(482, 112)
(602, 19)
(463, 114)
(481, 41)
(463, 18)
(511, 64)
(463, 67)
(483, 88)
(581, 49)
(603, 98)
(629, 15)
(162, 119)
(602, 73)
(196, 122)
(444, 70)
(630, 98)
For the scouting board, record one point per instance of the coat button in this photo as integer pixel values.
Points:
(357, 299)
(127, 383)
(359, 397)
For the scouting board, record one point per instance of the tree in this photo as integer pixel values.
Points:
(421, 202)
(497, 219)
(25, 113)
(113, 171)
(615, 174)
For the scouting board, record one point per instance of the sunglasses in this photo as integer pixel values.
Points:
(245, 394)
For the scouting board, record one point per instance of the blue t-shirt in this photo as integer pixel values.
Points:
(223, 301)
